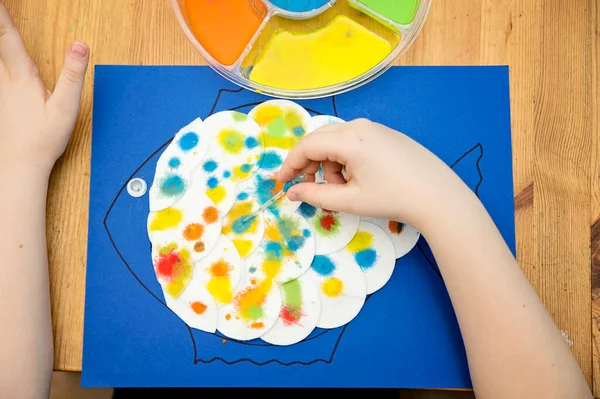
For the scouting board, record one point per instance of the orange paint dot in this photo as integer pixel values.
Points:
(220, 268)
(224, 341)
(257, 325)
(395, 227)
(193, 231)
(211, 214)
(227, 316)
(199, 246)
(253, 281)
(198, 307)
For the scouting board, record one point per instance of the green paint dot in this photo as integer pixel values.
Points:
(276, 128)
(231, 140)
(292, 294)
(255, 312)
(239, 117)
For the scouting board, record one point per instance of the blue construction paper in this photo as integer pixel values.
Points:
(406, 334)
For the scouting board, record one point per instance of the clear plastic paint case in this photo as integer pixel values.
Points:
(299, 49)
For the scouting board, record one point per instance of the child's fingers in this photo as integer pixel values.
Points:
(334, 197)
(67, 94)
(12, 49)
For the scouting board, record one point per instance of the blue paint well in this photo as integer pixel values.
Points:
(366, 258)
(188, 141)
(270, 160)
(307, 210)
(299, 5)
(298, 131)
(210, 166)
(172, 186)
(174, 162)
(212, 182)
(323, 265)
(242, 196)
(251, 142)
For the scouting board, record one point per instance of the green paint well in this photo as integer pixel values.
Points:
(400, 11)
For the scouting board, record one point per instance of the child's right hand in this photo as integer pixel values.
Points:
(389, 175)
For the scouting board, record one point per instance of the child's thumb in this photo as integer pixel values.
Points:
(333, 197)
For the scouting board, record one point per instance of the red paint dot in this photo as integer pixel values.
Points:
(290, 316)
(327, 222)
(166, 263)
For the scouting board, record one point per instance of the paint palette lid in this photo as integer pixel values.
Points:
(301, 48)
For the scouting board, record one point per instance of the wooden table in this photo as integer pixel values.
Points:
(552, 48)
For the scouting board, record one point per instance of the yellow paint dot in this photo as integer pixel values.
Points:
(332, 287)
(220, 288)
(166, 219)
(217, 194)
(231, 140)
(362, 240)
(243, 246)
(265, 113)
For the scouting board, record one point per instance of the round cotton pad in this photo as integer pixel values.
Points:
(373, 251)
(195, 307)
(403, 236)
(254, 309)
(319, 121)
(220, 272)
(300, 312)
(333, 230)
(236, 143)
(283, 123)
(342, 288)
(217, 186)
(193, 221)
(246, 235)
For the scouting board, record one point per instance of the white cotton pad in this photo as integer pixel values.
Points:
(193, 222)
(333, 230)
(246, 235)
(173, 267)
(282, 122)
(373, 252)
(195, 307)
(217, 186)
(403, 236)
(220, 272)
(319, 121)
(300, 312)
(236, 143)
(287, 249)
(254, 309)
(342, 288)
(174, 167)
(263, 185)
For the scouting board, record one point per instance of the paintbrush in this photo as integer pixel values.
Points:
(301, 178)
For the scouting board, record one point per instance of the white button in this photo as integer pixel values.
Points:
(136, 187)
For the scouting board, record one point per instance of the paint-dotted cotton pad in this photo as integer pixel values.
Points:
(195, 307)
(287, 249)
(300, 312)
(373, 252)
(319, 121)
(193, 222)
(283, 123)
(217, 185)
(173, 169)
(246, 235)
(220, 273)
(342, 288)
(236, 143)
(403, 236)
(333, 230)
(254, 309)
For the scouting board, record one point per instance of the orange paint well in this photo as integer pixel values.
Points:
(224, 27)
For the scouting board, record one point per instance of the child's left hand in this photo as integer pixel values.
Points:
(35, 124)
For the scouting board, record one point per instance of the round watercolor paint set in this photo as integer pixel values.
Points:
(301, 48)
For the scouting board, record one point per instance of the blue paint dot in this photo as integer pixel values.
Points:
(306, 233)
(273, 250)
(239, 227)
(246, 168)
(188, 141)
(227, 174)
(264, 189)
(174, 162)
(210, 166)
(295, 243)
(252, 269)
(298, 131)
(366, 258)
(307, 210)
(212, 182)
(270, 160)
(323, 265)
(251, 142)
(242, 196)
(172, 186)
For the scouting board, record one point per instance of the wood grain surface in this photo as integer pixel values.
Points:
(552, 49)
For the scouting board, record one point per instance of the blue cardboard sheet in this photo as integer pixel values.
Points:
(406, 335)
